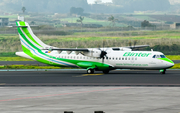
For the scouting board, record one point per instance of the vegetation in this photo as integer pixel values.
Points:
(14, 59)
(63, 6)
(143, 5)
(176, 66)
(78, 11)
(30, 67)
(55, 6)
(112, 20)
(146, 23)
(80, 20)
(173, 57)
(23, 9)
(165, 41)
(173, 49)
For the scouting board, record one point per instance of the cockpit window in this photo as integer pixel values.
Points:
(159, 56)
(163, 56)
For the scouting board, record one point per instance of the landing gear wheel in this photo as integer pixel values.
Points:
(163, 71)
(106, 71)
(90, 71)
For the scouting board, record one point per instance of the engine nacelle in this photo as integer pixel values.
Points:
(93, 53)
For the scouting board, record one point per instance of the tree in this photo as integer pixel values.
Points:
(78, 10)
(143, 5)
(146, 23)
(80, 20)
(48, 6)
(113, 20)
(33, 23)
(23, 9)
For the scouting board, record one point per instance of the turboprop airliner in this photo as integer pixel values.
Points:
(91, 59)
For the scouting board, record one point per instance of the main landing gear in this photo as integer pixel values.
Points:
(106, 71)
(90, 71)
(163, 71)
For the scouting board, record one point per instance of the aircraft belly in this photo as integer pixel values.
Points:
(139, 65)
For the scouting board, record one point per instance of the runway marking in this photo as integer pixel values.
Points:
(89, 75)
(63, 94)
(2, 84)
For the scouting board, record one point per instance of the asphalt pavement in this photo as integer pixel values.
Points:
(80, 78)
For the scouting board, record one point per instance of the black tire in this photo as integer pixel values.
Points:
(90, 71)
(164, 72)
(106, 71)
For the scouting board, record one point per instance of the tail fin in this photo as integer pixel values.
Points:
(28, 39)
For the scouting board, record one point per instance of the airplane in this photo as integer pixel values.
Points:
(92, 59)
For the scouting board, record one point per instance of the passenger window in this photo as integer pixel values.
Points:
(125, 58)
(122, 58)
(116, 58)
(132, 58)
(129, 58)
(109, 58)
(135, 58)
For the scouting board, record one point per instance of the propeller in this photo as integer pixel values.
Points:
(103, 53)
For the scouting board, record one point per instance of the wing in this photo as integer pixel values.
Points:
(138, 46)
(69, 49)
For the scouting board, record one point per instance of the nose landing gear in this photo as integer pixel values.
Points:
(162, 71)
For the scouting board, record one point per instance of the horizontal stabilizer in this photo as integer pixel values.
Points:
(18, 26)
(67, 49)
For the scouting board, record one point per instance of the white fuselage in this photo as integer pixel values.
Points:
(121, 59)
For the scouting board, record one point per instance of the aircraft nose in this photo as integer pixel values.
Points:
(170, 64)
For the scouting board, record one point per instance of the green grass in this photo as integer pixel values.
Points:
(14, 59)
(11, 43)
(13, 16)
(176, 66)
(173, 57)
(92, 21)
(31, 67)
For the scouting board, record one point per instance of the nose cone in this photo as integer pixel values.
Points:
(167, 62)
(170, 63)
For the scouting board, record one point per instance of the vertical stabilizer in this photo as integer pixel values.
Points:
(28, 39)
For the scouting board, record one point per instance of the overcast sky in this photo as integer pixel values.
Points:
(92, 1)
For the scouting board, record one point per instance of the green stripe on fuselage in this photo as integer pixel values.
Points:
(166, 59)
